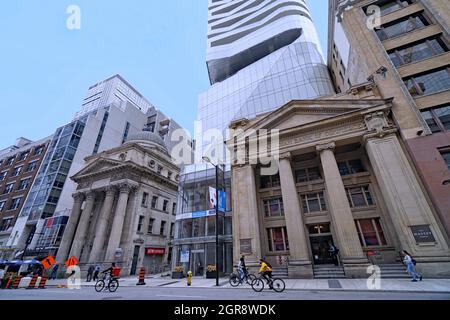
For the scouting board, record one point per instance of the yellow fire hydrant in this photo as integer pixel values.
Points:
(189, 278)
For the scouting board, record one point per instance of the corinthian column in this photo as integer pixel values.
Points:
(102, 224)
(299, 262)
(352, 255)
(69, 232)
(82, 227)
(119, 216)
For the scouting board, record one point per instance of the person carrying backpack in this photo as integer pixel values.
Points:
(410, 266)
(266, 270)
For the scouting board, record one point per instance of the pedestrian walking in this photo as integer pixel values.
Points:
(334, 251)
(410, 263)
(89, 273)
(96, 272)
(54, 272)
(242, 269)
(2, 275)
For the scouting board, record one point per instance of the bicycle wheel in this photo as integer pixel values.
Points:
(100, 285)
(113, 285)
(258, 285)
(234, 280)
(278, 285)
(250, 279)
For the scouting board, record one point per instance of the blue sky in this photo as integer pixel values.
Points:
(157, 45)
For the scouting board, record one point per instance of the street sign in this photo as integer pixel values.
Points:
(72, 261)
(48, 262)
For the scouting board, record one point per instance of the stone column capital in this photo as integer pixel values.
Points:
(78, 196)
(90, 195)
(110, 190)
(125, 188)
(285, 156)
(327, 146)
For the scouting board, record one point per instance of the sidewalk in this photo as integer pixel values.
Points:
(387, 285)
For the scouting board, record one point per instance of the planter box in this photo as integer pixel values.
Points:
(177, 275)
(211, 275)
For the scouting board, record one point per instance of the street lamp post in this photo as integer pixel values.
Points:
(217, 217)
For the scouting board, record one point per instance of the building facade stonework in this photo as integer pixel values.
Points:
(343, 178)
(124, 207)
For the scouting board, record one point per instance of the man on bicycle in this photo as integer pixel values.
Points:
(266, 270)
(109, 271)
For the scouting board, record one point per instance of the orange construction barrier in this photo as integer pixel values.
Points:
(42, 283)
(33, 282)
(141, 277)
(16, 282)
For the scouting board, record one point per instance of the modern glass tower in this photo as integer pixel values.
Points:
(261, 54)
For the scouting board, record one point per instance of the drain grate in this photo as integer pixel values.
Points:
(334, 284)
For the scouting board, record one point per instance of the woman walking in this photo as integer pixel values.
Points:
(410, 266)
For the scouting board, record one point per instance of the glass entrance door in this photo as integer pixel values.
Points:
(198, 261)
(320, 246)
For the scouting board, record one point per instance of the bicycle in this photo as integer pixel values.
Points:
(277, 284)
(113, 284)
(236, 280)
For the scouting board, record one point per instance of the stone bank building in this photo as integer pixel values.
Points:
(124, 207)
(344, 178)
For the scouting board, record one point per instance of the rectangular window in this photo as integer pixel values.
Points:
(125, 132)
(144, 199)
(274, 207)
(16, 171)
(154, 202)
(309, 174)
(437, 118)
(428, 83)
(151, 221)
(417, 51)
(15, 203)
(31, 166)
(140, 222)
(6, 224)
(446, 156)
(270, 181)
(24, 184)
(172, 229)
(350, 167)
(163, 227)
(38, 150)
(2, 205)
(370, 232)
(278, 239)
(3, 175)
(24, 155)
(174, 208)
(389, 6)
(402, 26)
(10, 161)
(9, 188)
(313, 202)
(359, 197)
(165, 205)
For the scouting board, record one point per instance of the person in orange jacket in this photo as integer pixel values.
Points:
(266, 270)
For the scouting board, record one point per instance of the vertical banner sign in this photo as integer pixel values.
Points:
(213, 199)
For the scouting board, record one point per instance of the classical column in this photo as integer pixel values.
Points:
(352, 255)
(80, 235)
(246, 224)
(102, 224)
(119, 217)
(299, 261)
(406, 202)
(69, 232)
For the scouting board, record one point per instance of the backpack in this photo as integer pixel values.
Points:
(414, 262)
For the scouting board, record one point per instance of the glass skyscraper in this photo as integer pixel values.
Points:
(261, 54)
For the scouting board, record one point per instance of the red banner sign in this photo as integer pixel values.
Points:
(155, 251)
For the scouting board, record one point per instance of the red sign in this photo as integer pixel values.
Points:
(48, 262)
(155, 251)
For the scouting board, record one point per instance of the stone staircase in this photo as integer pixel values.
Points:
(393, 271)
(328, 271)
(279, 272)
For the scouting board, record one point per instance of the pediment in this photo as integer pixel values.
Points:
(97, 166)
(301, 113)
